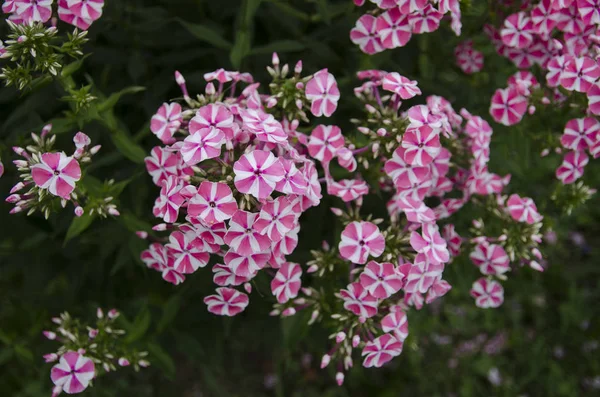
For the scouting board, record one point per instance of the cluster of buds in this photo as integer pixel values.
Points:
(391, 23)
(235, 179)
(418, 157)
(86, 352)
(50, 179)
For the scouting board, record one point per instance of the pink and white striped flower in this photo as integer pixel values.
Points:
(359, 240)
(358, 300)
(487, 293)
(293, 181)
(288, 243)
(430, 243)
(156, 257)
(544, 18)
(214, 116)
(66, 15)
(517, 30)
(572, 167)
(170, 199)
(593, 95)
(161, 164)
(276, 218)
(381, 350)
(202, 144)
(410, 6)
(242, 235)
(400, 85)
(323, 93)
(286, 284)
(422, 274)
(366, 35)
(213, 203)
(56, 172)
(556, 67)
(33, 11)
(263, 125)
(73, 373)
(394, 28)
(453, 239)
(257, 173)
(224, 276)
(187, 256)
(423, 115)
(246, 265)
(396, 322)
(403, 174)
(468, 59)
(580, 74)
(348, 189)
(523, 209)
(580, 134)
(227, 302)
(416, 211)
(589, 10)
(324, 142)
(491, 259)
(86, 9)
(425, 20)
(421, 144)
(170, 275)
(508, 106)
(438, 289)
(381, 280)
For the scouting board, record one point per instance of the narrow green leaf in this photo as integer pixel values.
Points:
(139, 327)
(127, 146)
(73, 66)
(170, 310)
(323, 8)
(240, 49)
(133, 223)
(279, 46)
(206, 34)
(161, 359)
(79, 225)
(112, 100)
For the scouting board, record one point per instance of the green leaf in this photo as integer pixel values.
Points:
(241, 49)
(206, 34)
(79, 225)
(73, 66)
(112, 100)
(127, 146)
(324, 11)
(279, 46)
(133, 223)
(169, 312)
(139, 327)
(161, 359)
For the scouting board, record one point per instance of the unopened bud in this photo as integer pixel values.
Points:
(339, 378)
(13, 198)
(290, 311)
(78, 211)
(113, 313)
(248, 287)
(142, 234)
(325, 360)
(95, 149)
(49, 358)
(49, 335)
(275, 59)
(337, 211)
(92, 333)
(339, 338)
(312, 269)
(298, 67)
(531, 110)
(161, 227)
(210, 89)
(299, 85)
(123, 362)
(348, 363)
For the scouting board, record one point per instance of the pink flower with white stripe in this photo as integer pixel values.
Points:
(242, 235)
(523, 209)
(73, 373)
(468, 59)
(156, 257)
(170, 199)
(430, 243)
(323, 93)
(421, 144)
(358, 300)
(287, 283)
(416, 211)
(381, 350)
(359, 240)
(263, 125)
(202, 145)
(544, 18)
(288, 243)
(224, 276)
(400, 85)
(556, 67)
(214, 116)
(508, 106)
(410, 6)
(212, 203)
(188, 258)
(293, 181)
(572, 167)
(396, 322)
(589, 11)
(422, 274)
(593, 95)
(425, 20)
(348, 189)
(56, 172)
(86, 9)
(394, 28)
(66, 15)
(257, 173)
(422, 115)
(324, 142)
(580, 134)
(491, 259)
(276, 218)
(453, 239)
(227, 302)
(403, 174)
(381, 280)
(580, 74)
(517, 30)
(33, 10)
(438, 289)
(366, 35)
(487, 293)
(246, 265)
(161, 164)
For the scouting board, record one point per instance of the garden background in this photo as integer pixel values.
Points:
(542, 341)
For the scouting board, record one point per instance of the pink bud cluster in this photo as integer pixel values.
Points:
(393, 22)
(80, 13)
(561, 38)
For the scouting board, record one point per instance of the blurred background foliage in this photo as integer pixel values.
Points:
(542, 342)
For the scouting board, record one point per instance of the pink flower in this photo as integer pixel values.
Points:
(224, 276)
(246, 265)
(556, 67)
(544, 18)
(491, 259)
(227, 302)
(453, 239)
(33, 11)
(425, 20)
(257, 173)
(468, 60)
(400, 85)
(212, 203)
(359, 240)
(366, 35)
(161, 164)
(73, 373)
(381, 280)
(293, 181)
(156, 257)
(324, 142)
(214, 116)
(288, 243)
(188, 257)
(56, 172)
(438, 289)
(243, 237)
(263, 125)
(393, 28)
(381, 350)
(323, 93)
(572, 167)
(430, 243)
(561, 4)
(523, 209)
(81, 140)
(421, 145)
(86, 9)
(422, 275)
(286, 284)
(397, 323)
(593, 95)
(589, 11)
(580, 74)
(508, 106)
(416, 210)
(580, 134)
(348, 189)
(170, 200)
(358, 300)
(404, 175)
(171, 275)
(517, 30)
(410, 6)
(487, 293)
(276, 218)
(65, 14)
(203, 144)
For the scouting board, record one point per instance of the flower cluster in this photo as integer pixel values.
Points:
(86, 352)
(392, 23)
(235, 178)
(79, 13)
(557, 38)
(50, 179)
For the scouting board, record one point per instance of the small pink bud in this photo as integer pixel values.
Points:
(248, 287)
(337, 211)
(210, 89)
(370, 108)
(274, 313)
(325, 360)
(1, 169)
(503, 237)
(298, 67)
(160, 227)
(290, 311)
(15, 210)
(362, 320)
(339, 378)
(325, 245)
(348, 363)
(20, 163)
(57, 320)
(477, 224)
(106, 367)
(275, 59)
(92, 333)
(99, 313)
(123, 362)
(13, 198)
(382, 132)
(81, 140)
(364, 130)
(22, 39)
(49, 335)
(545, 101)
(339, 338)
(271, 102)
(531, 110)
(179, 79)
(142, 234)
(312, 269)
(19, 150)
(545, 152)
(113, 211)
(313, 317)
(143, 363)
(49, 358)
(299, 103)
(113, 313)
(78, 211)
(46, 130)
(299, 85)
